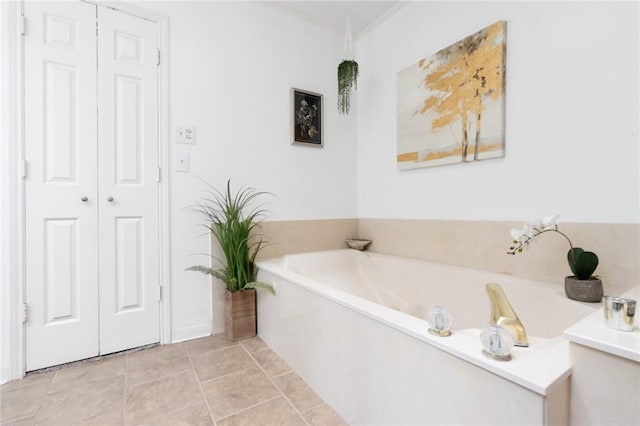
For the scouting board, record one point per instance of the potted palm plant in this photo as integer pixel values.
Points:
(232, 219)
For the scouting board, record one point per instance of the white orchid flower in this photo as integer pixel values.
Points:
(517, 234)
(550, 221)
(528, 229)
(537, 223)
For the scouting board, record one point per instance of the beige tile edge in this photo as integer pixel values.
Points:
(483, 245)
(474, 244)
(298, 236)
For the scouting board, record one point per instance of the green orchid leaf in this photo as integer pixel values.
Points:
(586, 265)
(572, 257)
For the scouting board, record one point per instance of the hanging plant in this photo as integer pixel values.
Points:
(347, 73)
(347, 78)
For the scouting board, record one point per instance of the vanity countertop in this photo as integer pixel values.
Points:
(592, 332)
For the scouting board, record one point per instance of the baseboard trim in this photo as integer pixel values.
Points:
(5, 375)
(190, 333)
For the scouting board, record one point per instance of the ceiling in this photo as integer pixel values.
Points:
(363, 15)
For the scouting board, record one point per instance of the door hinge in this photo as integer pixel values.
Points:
(160, 293)
(159, 174)
(23, 168)
(25, 311)
(158, 57)
(23, 25)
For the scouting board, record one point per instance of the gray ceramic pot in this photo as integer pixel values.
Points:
(589, 290)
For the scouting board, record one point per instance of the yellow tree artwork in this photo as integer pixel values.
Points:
(451, 105)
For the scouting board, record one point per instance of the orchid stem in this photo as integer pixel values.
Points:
(555, 229)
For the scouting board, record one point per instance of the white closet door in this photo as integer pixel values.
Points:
(128, 181)
(61, 186)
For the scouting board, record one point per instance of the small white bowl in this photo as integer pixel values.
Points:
(358, 244)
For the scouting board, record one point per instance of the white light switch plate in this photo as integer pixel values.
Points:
(182, 161)
(186, 134)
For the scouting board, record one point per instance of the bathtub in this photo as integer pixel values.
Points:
(353, 326)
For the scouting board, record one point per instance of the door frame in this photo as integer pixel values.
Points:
(13, 201)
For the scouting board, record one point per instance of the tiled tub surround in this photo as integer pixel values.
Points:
(474, 244)
(299, 236)
(205, 381)
(324, 319)
(483, 245)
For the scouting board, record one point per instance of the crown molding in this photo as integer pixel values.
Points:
(339, 30)
(382, 18)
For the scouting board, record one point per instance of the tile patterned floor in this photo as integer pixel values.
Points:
(208, 381)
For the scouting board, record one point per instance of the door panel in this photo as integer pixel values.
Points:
(60, 137)
(128, 184)
(128, 256)
(61, 264)
(128, 136)
(91, 193)
(61, 233)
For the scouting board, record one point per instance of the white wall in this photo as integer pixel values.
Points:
(231, 69)
(572, 121)
(571, 115)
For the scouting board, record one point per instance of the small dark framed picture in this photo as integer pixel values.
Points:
(306, 114)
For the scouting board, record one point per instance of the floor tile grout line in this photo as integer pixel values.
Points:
(18, 419)
(35, 418)
(189, 369)
(175, 373)
(291, 403)
(144, 382)
(224, 375)
(37, 411)
(317, 406)
(71, 382)
(204, 396)
(193, 405)
(189, 354)
(53, 379)
(126, 390)
(159, 353)
(277, 387)
(257, 404)
(283, 374)
(63, 419)
(256, 364)
(155, 355)
(259, 350)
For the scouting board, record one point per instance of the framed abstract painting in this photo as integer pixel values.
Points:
(451, 105)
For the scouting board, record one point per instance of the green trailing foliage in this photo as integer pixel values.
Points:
(582, 263)
(348, 73)
(233, 222)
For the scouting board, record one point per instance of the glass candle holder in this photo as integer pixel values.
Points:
(619, 313)
(440, 321)
(497, 342)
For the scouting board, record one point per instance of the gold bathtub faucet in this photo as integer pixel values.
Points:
(503, 314)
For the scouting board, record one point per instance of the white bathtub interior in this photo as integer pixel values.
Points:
(353, 323)
(414, 286)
